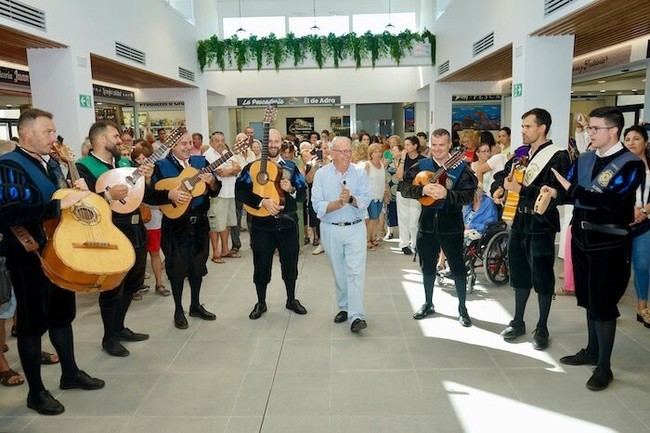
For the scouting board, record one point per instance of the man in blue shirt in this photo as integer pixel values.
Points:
(340, 196)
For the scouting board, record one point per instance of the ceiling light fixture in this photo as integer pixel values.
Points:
(315, 27)
(240, 31)
(603, 91)
(601, 81)
(389, 26)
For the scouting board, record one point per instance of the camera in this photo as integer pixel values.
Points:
(319, 154)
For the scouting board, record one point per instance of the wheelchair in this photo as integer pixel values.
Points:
(490, 252)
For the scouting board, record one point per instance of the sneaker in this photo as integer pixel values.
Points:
(318, 250)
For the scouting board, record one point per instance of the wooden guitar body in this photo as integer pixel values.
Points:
(266, 184)
(87, 253)
(172, 210)
(424, 177)
(512, 198)
(123, 176)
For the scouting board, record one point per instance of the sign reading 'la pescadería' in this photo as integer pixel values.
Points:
(288, 101)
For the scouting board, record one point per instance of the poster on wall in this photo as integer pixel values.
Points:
(300, 126)
(340, 125)
(409, 118)
(477, 116)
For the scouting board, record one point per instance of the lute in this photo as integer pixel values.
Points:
(439, 176)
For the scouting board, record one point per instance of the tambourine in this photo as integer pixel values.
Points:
(541, 203)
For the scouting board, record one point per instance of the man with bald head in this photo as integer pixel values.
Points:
(340, 196)
(278, 230)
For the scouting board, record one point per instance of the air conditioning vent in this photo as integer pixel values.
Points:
(552, 6)
(129, 53)
(186, 74)
(485, 43)
(443, 68)
(22, 13)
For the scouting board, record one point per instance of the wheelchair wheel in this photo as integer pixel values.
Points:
(495, 259)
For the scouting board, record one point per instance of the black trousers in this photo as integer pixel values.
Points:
(531, 258)
(264, 242)
(235, 230)
(429, 246)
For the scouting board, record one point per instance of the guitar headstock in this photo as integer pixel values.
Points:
(242, 145)
(269, 113)
(63, 152)
(455, 160)
(174, 136)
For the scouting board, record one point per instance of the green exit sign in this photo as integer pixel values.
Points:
(518, 90)
(85, 101)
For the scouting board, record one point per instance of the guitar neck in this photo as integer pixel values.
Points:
(264, 157)
(210, 168)
(74, 173)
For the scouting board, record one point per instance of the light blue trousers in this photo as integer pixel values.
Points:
(641, 265)
(345, 247)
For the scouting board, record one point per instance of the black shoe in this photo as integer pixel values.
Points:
(180, 321)
(358, 325)
(540, 340)
(600, 379)
(581, 358)
(341, 317)
(114, 348)
(424, 311)
(464, 320)
(296, 307)
(127, 335)
(43, 403)
(258, 310)
(307, 241)
(81, 381)
(202, 313)
(407, 251)
(513, 331)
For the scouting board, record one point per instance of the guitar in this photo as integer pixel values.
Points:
(266, 174)
(85, 252)
(189, 180)
(130, 177)
(517, 172)
(439, 176)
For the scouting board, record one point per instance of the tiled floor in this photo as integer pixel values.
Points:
(288, 373)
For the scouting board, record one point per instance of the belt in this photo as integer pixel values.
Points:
(610, 229)
(526, 210)
(341, 224)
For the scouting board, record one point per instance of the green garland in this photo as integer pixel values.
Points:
(267, 50)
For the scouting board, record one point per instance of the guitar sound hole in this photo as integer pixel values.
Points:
(86, 215)
(262, 178)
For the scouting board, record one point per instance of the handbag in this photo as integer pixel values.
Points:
(5, 282)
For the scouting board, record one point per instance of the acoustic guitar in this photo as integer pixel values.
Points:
(130, 177)
(85, 252)
(517, 172)
(266, 174)
(190, 181)
(439, 176)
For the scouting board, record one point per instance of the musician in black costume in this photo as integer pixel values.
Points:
(602, 184)
(105, 155)
(279, 230)
(28, 182)
(185, 240)
(531, 247)
(441, 225)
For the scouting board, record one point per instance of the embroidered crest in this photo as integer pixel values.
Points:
(449, 183)
(531, 173)
(605, 177)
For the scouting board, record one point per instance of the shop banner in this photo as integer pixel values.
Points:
(161, 106)
(602, 61)
(14, 76)
(288, 101)
(113, 93)
(300, 126)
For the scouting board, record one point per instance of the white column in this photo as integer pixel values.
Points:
(422, 117)
(195, 100)
(541, 78)
(353, 118)
(646, 101)
(61, 82)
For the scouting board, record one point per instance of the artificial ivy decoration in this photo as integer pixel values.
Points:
(267, 50)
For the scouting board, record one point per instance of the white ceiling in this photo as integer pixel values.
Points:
(301, 8)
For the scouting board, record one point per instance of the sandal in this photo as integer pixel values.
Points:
(137, 296)
(49, 358)
(7, 375)
(5, 348)
(371, 246)
(217, 260)
(162, 290)
(233, 255)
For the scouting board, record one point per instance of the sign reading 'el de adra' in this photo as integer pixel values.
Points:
(288, 101)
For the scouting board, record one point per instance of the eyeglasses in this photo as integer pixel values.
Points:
(598, 128)
(342, 150)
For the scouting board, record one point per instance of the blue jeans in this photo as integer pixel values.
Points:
(641, 265)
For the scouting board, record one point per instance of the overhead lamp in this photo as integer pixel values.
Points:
(315, 27)
(602, 91)
(601, 81)
(389, 26)
(240, 31)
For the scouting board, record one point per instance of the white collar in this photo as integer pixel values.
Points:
(181, 162)
(612, 150)
(112, 164)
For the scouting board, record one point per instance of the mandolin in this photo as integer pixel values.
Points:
(266, 174)
(439, 176)
(190, 181)
(517, 172)
(130, 177)
(85, 252)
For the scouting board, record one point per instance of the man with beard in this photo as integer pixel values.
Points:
(185, 241)
(114, 304)
(25, 200)
(531, 248)
(279, 230)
